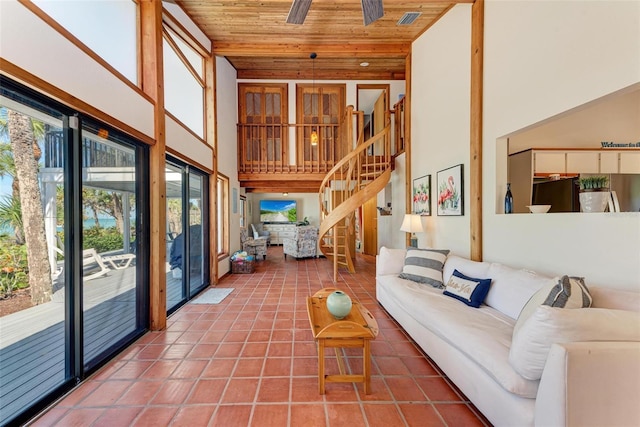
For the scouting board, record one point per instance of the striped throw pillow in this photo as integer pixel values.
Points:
(424, 266)
(560, 292)
(569, 292)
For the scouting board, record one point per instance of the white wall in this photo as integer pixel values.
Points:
(183, 141)
(541, 58)
(389, 233)
(440, 72)
(29, 43)
(226, 119)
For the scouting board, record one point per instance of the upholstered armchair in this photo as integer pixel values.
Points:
(258, 233)
(251, 246)
(303, 244)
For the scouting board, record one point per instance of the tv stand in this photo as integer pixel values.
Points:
(279, 231)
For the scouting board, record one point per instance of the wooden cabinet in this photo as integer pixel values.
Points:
(279, 232)
(629, 162)
(549, 162)
(609, 162)
(583, 162)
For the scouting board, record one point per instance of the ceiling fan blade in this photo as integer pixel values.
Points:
(372, 10)
(298, 11)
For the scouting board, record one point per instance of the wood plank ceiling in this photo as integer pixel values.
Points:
(255, 37)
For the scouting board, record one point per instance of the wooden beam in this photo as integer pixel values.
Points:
(298, 50)
(475, 149)
(304, 74)
(211, 132)
(407, 144)
(153, 86)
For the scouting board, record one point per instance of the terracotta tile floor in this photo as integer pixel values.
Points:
(251, 361)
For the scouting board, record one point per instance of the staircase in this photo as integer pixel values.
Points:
(358, 177)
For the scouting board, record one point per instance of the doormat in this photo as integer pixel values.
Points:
(212, 296)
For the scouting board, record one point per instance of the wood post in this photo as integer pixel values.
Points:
(153, 85)
(475, 148)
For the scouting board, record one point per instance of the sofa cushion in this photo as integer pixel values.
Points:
(562, 292)
(511, 288)
(424, 266)
(484, 335)
(465, 266)
(390, 261)
(614, 298)
(549, 325)
(467, 289)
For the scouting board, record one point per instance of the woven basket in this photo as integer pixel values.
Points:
(242, 267)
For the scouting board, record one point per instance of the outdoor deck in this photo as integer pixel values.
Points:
(32, 341)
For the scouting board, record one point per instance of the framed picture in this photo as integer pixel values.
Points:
(422, 195)
(451, 191)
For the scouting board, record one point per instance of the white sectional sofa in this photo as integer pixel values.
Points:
(568, 366)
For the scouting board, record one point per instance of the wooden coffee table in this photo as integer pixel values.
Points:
(354, 331)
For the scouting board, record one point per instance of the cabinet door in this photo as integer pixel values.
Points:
(609, 162)
(630, 162)
(549, 162)
(583, 162)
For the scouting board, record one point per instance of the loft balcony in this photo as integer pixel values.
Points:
(281, 157)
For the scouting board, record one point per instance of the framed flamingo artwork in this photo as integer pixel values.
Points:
(422, 195)
(451, 191)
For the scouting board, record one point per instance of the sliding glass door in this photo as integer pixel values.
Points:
(33, 298)
(111, 289)
(73, 283)
(187, 228)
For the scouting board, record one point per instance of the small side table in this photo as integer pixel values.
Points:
(356, 330)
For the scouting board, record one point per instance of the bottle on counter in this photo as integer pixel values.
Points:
(508, 200)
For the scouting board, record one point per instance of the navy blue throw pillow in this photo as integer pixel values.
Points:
(467, 289)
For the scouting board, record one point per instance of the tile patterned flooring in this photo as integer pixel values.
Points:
(251, 361)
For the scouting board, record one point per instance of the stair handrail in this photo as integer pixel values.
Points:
(349, 162)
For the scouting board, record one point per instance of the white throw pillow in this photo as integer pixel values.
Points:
(511, 288)
(390, 261)
(424, 266)
(549, 325)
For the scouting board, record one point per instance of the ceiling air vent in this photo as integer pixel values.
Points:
(409, 18)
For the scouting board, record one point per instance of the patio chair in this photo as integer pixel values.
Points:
(253, 246)
(93, 265)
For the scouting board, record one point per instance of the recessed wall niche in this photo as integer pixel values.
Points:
(543, 161)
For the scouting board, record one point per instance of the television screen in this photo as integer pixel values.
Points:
(278, 211)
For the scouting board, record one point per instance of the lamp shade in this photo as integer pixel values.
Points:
(412, 223)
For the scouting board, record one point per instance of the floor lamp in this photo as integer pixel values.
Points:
(412, 223)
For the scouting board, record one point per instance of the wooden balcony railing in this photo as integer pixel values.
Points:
(287, 148)
(400, 129)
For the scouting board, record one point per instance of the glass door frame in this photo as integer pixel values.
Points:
(188, 171)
